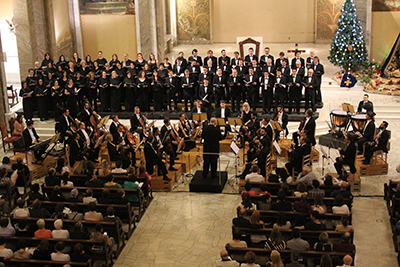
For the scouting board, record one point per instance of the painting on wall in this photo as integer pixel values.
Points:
(193, 19)
(385, 5)
(328, 13)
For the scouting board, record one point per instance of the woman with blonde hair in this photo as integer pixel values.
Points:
(276, 260)
(104, 168)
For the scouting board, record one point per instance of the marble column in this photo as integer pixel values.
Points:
(3, 88)
(364, 14)
(75, 22)
(146, 30)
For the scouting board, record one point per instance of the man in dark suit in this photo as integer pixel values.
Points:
(310, 82)
(138, 121)
(296, 156)
(183, 59)
(153, 159)
(64, 125)
(318, 72)
(307, 124)
(85, 114)
(195, 57)
(347, 156)
(278, 62)
(75, 149)
(267, 85)
(179, 68)
(114, 124)
(206, 94)
(269, 67)
(223, 56)
(211, 135)
(250, 57)
(365, 105)
(283, 119)
(297, 57)
(235, 59)
(265, 57)
(241, 69)
(235, 84)
(310, 59)
(251, 82)
(223, 112)
(212, 58)
(194, 70)
(256, 68)
(380, 142)
(368, 132)
(300, 70)
(188, 89)
(30, 136)
(285, 70)
(198, 109)
(203, 75)
(280, 88)
(219, 84)
(172, 90)
(295, 83)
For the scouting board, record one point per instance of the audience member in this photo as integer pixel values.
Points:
(77, 232)
(254, 177)
(343, 191)
(250, 259)
(322, 244)
(65, 180)
(120, 199)
(92, 214)
(4, 252)
(110, 182)
(226, 261)
(21, 253)
(42, 232)
(295, 256)
(265, 202)
(246, 202)
(6, 230)
(111, 216)
(89, 197)
(21, 166)
(236, 242)
(79, 254)
(302, 205)
(132, 184)
(118, 169)
(296, 243)
(247, 189)
(61, 168)
(74, 214)
(241, 221)
(36, 211)
(35, 193)
(344, 226)
(56, 194)
(301, 189)
(345, 245)
(23, 229)
(326, 261)
(93, 181)
(319, 205)
(339, 206)
(347, 261)
(59, 232)
(73, 196)
(21, 210)
(275, 240)
(282, 204)
(316, 190)
(59, 255)
(315, 224)
(98, 235)
(6, 164)
(306, 176)
(281, 222)
(51, 179)
(257, 223)
(276, 260)
(42, 251)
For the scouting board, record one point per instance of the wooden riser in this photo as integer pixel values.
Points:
(355, 182)
(368, 170)
(36, 170)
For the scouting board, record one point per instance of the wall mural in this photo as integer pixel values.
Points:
(328, 13)
(385, 5)
(193, 19)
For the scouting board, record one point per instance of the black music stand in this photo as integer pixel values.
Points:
(53, 141)
(236, 122)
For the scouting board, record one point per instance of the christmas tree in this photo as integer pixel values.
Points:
(348, 47)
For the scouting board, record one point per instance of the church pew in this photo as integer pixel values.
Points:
(305, 234)
(87, 245)
(97, 191)
(124, 212)
(271, 215)
(264, 254)
(110, 227)
(41, 263)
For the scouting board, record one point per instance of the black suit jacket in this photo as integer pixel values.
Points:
(211, 135)
(113, 128)
(294, 62)
(135, 123)
(214, 61)
(75, 151)
(270, 69)
(236, 86)
(181, 70)
(278, 63)
(242, 71)
(219, 85)
(313, 82)
(293, 85)
(84, 117)
(252, 87)
(27, 137)
(203, 92)
(63, 125)
(296, 157)
(369, 131)
(234, 63)
(300, 71)
(369, 106)
(151, 157)
(247, 60)
(285, 119)
(264, 58)
(382, 141)
(278, 89)
(349, 154)
(318, 72)
(310, 128)
(171, 84)
(198, 60)
(228, 60)
(262, 158)
(285, 71)
(83, 139)
(227, 113)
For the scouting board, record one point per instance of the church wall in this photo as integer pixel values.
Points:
(6, 10)
(385, 29)
(275, 21)
(64, 39)
(110, 34)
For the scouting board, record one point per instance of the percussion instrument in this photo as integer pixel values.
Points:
(358, 122)
(339, 118)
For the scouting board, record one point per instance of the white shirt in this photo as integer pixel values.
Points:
(123, 139)
(305, 123)
(159, 141)
(365, 127)
(32, 135)
(255, 178)
(280, 115)
(86, 137)
(137, 116)
(223, 113)
(266, 82)
(87, 111)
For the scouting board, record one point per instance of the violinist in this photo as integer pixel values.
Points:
(114, 124)
(114, 154)
(163, 145)
(64, 123)
(124, 145)
(85, 114)
(283, 119)
(296, 156)
(254, 145)
(264, 124)
(138, 122)
(88, 142)
(153, 159)
(258, 158)
(308, 123)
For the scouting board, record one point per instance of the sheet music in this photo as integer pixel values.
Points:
(235, 148)
(277, 147)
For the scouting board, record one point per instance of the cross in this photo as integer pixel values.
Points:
(347, 82)
(193, 3)
(296, 46)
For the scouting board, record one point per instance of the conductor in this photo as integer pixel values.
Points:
(211, 135)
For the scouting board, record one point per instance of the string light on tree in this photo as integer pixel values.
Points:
(348, 47)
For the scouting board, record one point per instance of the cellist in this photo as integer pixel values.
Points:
(138, 123)
(164, 145)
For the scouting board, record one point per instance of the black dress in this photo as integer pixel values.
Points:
(140, 65)
(91, 88)
(143, 94)
(105, 93)
(130, 94)
(115, 85)
(83, 93)
(42, 104)
(56, 95)
(158, 93)
(27, 102)
(71, 99)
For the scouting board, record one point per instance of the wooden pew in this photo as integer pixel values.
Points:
(68, 224)
(271, 215)
(125, 212)
(97, 192)
(87, 245)
(33, 263)
(263, 254)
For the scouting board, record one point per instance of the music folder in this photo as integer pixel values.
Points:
(221, 121)
(199, 117)
(235, 121)
(348, 108)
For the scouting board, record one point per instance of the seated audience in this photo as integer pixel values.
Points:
(306, 176)
(89, 197)
(59, 212)
(35, 193)
(120, 199)
(56, 194)
(257, 223)
(343, 191)
(65, 180)
(282, 204)
(21, 253)
(315, 224)
(302, 205)
(42, 251)
(275, 240)
(329, 180)
(347, 261)
(319, 205)
(105, 197)
(21, 210)
(345, 244)
(98, 235)
(236, 242)
(6, 230)
(6, 164)
(118, 169)
(250, 259)
(322, 244)
(4, 252)
(226, 261)
(276, 260)
(254, 177)
(110, 182)
(246, 202)
(75, 214)
(73, 196)
(326, 261)
(77, 232)
(59, 232)
(295, 256)
(132, 184)
(301, 189)
(281, 222)
(344, 226)
(296, 243)
(92, 214)
(51, 179)
(59, 255)
(93, 181)
(315, 189)
(339, 206)
(111, 216)
(247, 189)
(265, 203)
(23, 229)
(241, 221)
(61, 167)
(79, 254)
(36, 211)
(42, 232)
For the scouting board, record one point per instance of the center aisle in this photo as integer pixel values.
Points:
(181, 229)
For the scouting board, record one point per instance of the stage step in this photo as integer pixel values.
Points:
(380, 168)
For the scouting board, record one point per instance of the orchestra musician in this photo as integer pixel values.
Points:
(138, 122)
(365, 105)
(30, 138)
(259, 158)
(186, 131)
(235, 84)
(169, 136)
(86, 113)
(161, 145)
(125, 147)
(64, 123)
(295, 88)
(248, 130)
(283, 119)
(296, 155)
(211, 135)
(347, 156)
(88, 141)
(308, 124)
(114, 154)
(255, 146)
(267, 84)
(153, 159)
(76, 147)
(264, 124)
(379, 143)
(114, 124)
(368, 132)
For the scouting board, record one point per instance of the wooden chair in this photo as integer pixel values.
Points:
(380, 154)
(11, 122)
(67, 153)
(306, 161)
(6, 139)
(12, 94)
(251, 42)
(268, 164)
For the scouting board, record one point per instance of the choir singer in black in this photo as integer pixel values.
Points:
(211, 135)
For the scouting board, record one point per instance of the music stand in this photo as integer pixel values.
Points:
(330, 127)
(53, 141)
(199, 117)
(221, 121)
(348, 108)
(276, 125)
(99, 141)
(104, 121)
(236, 150)
(236, 122)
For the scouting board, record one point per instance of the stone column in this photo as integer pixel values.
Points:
(146, 30)
(364, 13)
(3, 88)
(75, 22)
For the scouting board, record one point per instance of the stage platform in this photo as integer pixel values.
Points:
(36, 170)
(199, 184)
